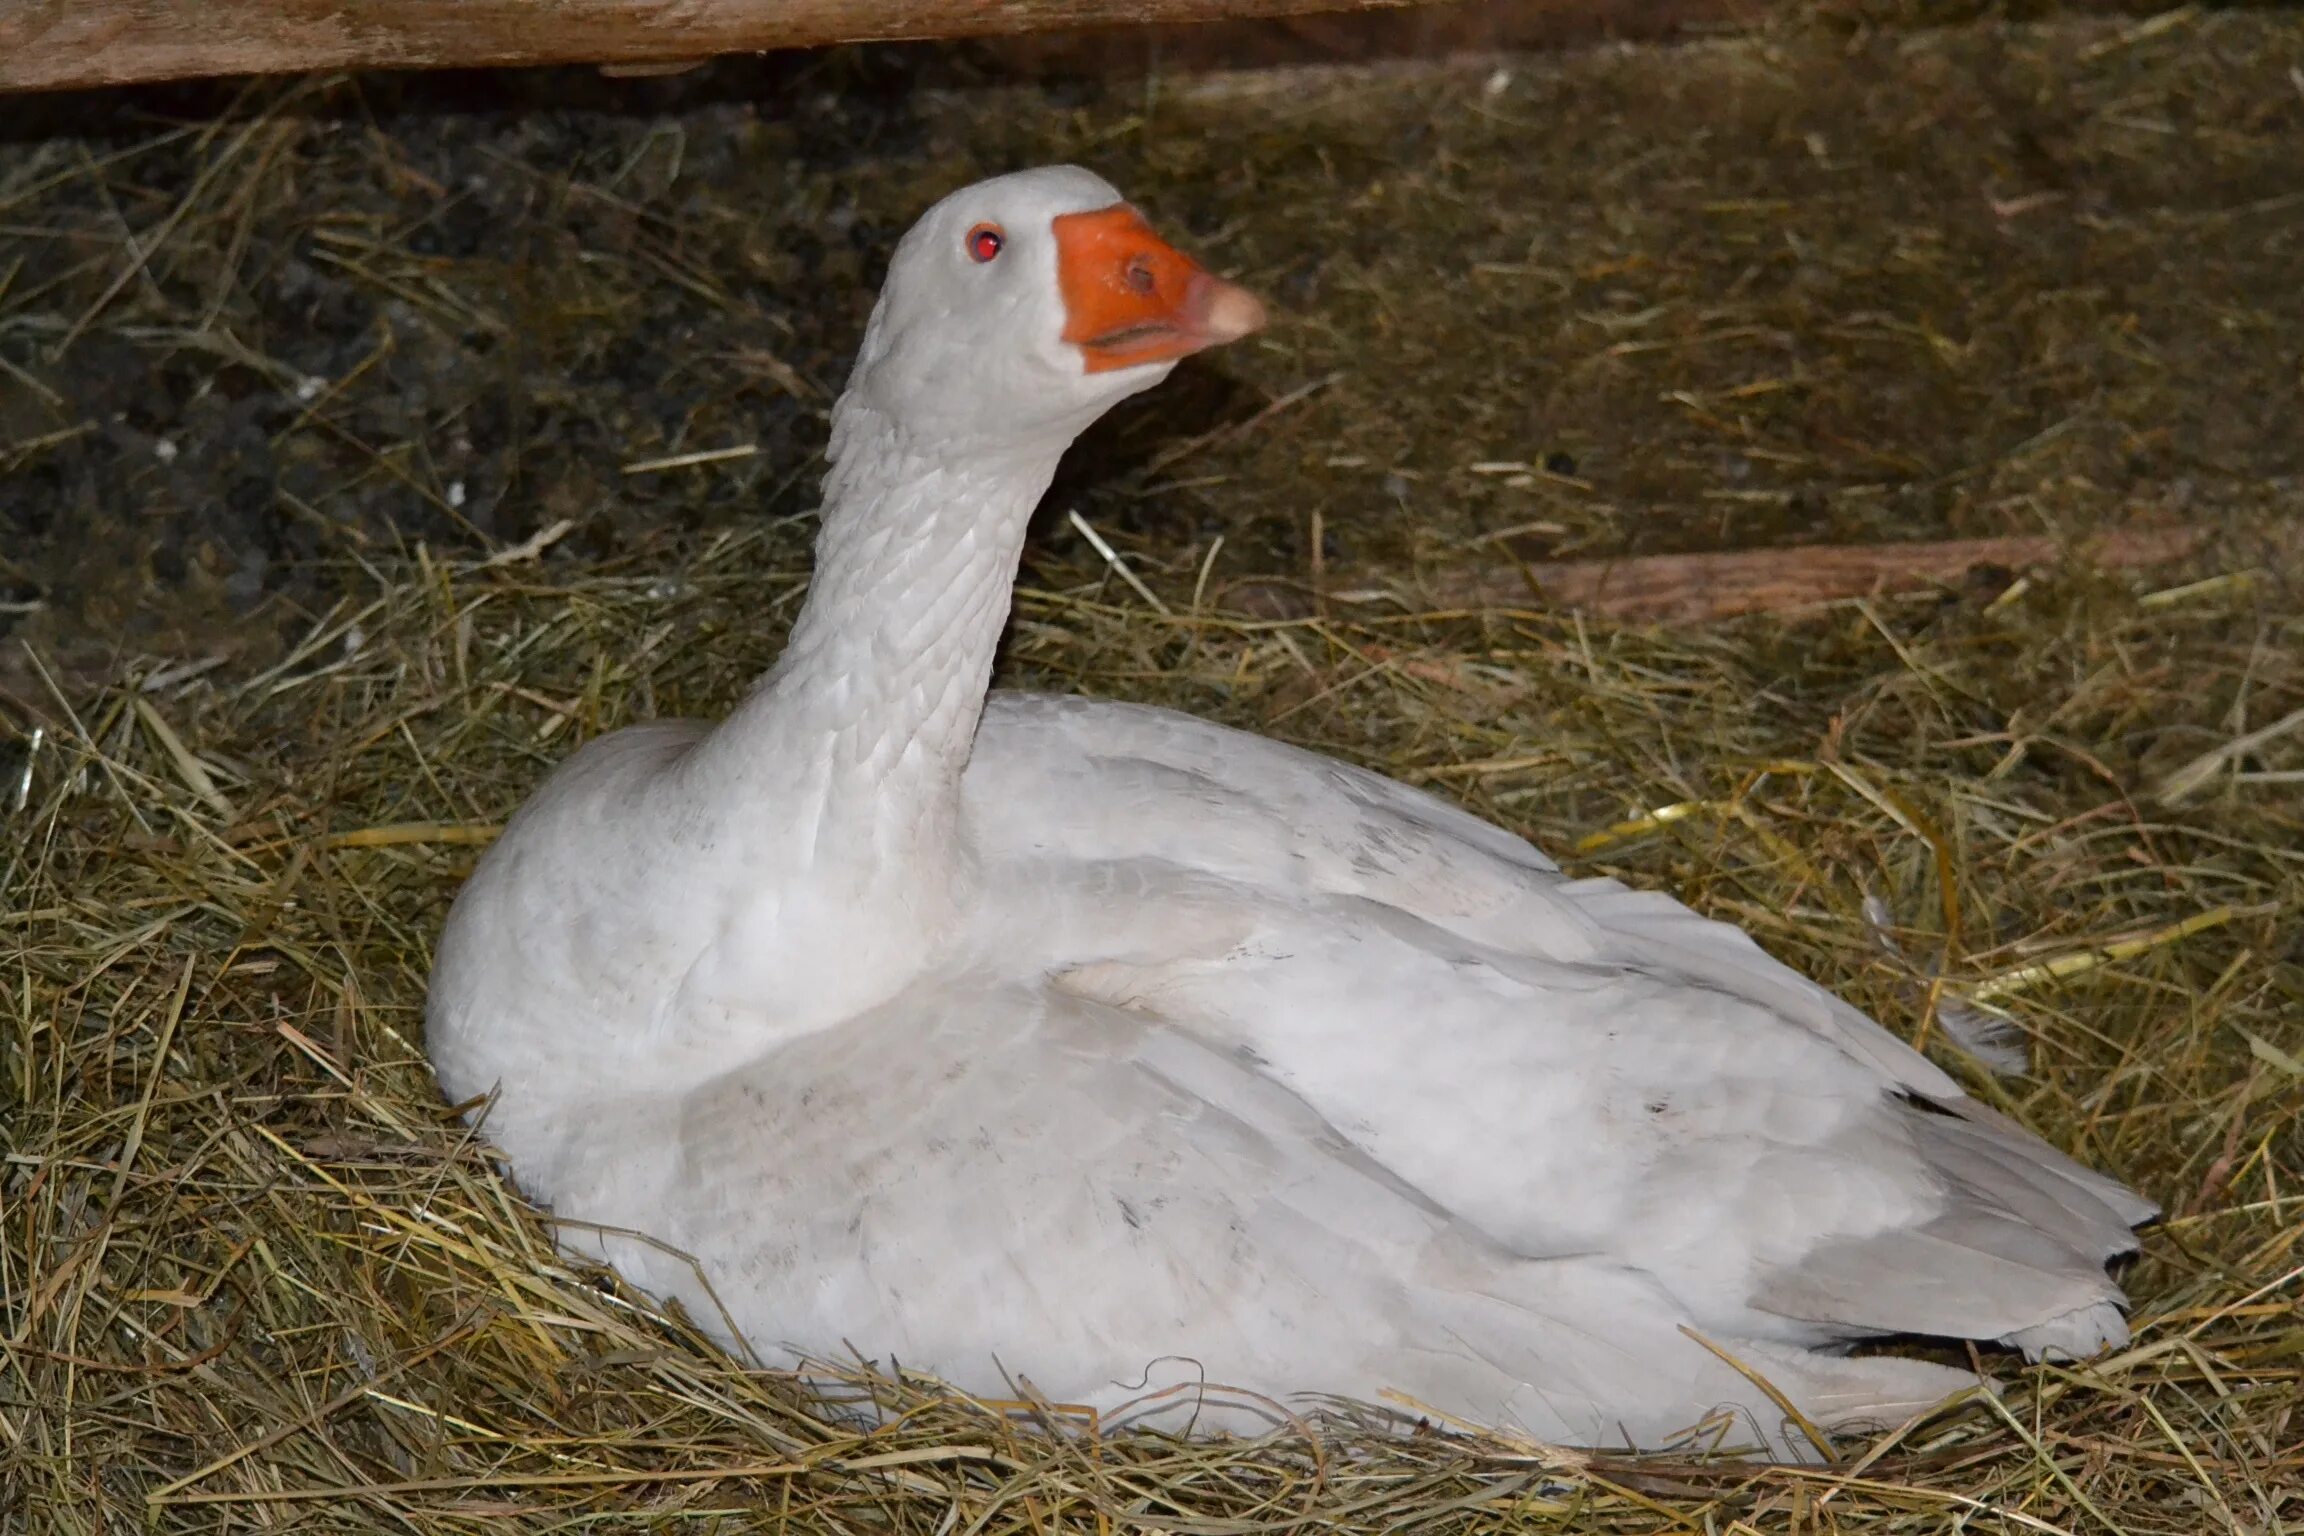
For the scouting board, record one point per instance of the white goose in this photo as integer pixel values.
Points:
(1101, 1048)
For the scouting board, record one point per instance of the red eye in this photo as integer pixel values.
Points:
(985, 241)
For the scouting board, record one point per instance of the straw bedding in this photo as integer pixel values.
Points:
(254, 1274)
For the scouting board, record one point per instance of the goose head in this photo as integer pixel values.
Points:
(1019, 309)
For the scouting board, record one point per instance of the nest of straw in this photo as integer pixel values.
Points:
(257, 1275)
(252, 1273)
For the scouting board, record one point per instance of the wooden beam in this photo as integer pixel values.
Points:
(57, 44)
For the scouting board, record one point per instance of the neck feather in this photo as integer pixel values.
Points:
(857, 737)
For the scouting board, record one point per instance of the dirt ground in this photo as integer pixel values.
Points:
(1822, 283)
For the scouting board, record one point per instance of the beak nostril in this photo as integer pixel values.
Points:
(1138, 274)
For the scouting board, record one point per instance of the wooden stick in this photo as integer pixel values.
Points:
(52, 44)
(1690, 589)
(1695, 589)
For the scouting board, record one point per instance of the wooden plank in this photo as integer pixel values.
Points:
(59, 44)
(55, 44)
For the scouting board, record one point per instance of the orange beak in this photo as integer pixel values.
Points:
(1131, 298)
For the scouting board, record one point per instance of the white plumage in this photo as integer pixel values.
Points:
(1104, 1048)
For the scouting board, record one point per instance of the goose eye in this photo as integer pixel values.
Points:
(985, 241)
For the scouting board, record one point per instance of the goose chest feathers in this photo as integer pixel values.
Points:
(1025, 1038)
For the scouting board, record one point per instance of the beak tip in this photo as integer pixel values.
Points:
(1232, 312)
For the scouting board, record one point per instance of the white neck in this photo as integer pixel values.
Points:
(855, 741)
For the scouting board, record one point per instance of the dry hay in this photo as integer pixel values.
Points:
(256, 1275)
(252, 1274)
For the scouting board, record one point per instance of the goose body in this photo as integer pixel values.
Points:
(1039, 1040)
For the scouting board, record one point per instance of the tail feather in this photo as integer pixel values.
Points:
(1987, 1123)
(1936, 1283)
(1995, 1176)
(2074, 1335)
(2016, 1253)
